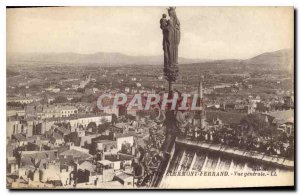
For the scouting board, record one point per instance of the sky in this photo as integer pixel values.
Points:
(206, 32)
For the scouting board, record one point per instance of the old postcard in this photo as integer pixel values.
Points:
(149, 97)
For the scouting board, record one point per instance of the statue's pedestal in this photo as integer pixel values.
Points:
(171, 73)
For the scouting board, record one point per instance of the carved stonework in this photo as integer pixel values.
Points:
(171, 40)
(171, 73)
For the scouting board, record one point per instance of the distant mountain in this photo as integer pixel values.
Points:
(281, 59)
(277, 60)
(100, 58)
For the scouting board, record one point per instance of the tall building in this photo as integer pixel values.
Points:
(200, 116)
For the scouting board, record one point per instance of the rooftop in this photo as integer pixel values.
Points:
(86, 165)
(129, 134)
(19, 137)
(105, 162)
(282, 116)
(123, 176)
(118, 157)
(76, 154)
(227, 117)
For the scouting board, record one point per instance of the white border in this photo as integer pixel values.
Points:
(5, 3)
(151, 3)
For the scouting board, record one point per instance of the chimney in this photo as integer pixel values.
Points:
(76, 161)
(133, 150)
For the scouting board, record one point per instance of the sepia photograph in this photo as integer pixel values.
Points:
(165, 97)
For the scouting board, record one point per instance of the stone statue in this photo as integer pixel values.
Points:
(171, 40)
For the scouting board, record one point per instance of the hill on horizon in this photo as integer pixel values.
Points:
(101, 58)
(281, 59)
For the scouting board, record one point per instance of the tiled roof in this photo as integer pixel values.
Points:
(63, 130)
(118, 135)
(76, 154)
(282, 116)
(86, 165)
(57, 136)
(36, 158)
(123, 176)
(119, 157)
(19, 137)
(227, 117)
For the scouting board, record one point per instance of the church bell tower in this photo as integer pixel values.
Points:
(200, 116)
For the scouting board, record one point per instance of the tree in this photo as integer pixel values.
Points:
(92, 125)
(103, 126)
(80, 90)
(88, 98)
(126, 148)
(104, 120)
(76, 100)
(60, 99)
(114, 119)
(130, 117)
(256, 123)
(15, 104)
